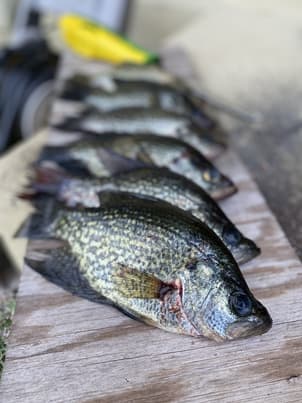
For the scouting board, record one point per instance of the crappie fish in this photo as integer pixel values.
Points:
(152, 76)
(129, 73)
(134, 95)
(155, 182)
(105, 155)
(107, 101)
(155, 262)
(147, 75)
(146, 121)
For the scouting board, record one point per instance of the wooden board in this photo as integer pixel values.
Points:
(65, 349)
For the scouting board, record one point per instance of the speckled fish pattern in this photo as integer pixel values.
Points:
(154, 182)
(157, 263)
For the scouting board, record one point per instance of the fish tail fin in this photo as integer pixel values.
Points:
(54, 153)
(47, 180)
(60, 155)
(38, 224)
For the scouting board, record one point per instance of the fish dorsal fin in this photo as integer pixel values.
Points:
(110, 196)
(117, 163)
(54, 260)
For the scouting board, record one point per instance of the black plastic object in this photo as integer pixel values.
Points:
(22, 71)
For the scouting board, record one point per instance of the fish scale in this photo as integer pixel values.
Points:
(116, 231)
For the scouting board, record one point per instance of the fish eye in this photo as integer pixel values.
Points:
(240, 303)
(211, 175)
(230, 235)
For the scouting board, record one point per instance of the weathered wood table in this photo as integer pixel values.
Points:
(66, 349)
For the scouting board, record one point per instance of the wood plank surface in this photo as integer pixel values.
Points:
(65, 349)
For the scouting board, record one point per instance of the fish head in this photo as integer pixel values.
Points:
(222, 308)
(195, 167)
(231, 312)
(243, 249)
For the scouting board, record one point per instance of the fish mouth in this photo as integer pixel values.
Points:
(253, 326)
(227, 188)
(245, 251)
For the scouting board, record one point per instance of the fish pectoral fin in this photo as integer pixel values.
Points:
(117, 163)
(131, 283)
(54, 260)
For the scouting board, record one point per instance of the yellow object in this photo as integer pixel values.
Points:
(96, 42)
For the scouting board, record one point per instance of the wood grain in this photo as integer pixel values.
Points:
(65, 349)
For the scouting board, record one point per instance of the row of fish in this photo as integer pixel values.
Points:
(127, 213)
